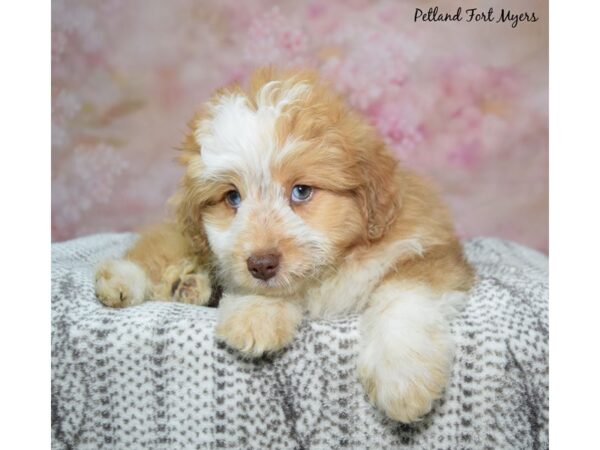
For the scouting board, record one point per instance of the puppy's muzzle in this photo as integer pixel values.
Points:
(263, 267)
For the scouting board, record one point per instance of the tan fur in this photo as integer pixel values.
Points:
(389, 241)
(172, 269)
(256, 325)
(158, 248)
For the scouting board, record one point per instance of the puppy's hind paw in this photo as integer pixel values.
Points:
(120, 283)
(193, 288)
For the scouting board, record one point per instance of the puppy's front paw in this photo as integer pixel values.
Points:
(120, 283)
(404, 389)
(256, 325)
(193, 288)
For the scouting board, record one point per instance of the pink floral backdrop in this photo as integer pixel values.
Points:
(465, 103)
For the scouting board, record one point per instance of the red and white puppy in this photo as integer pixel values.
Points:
(295, 206)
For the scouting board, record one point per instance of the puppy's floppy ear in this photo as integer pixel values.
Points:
(189, 219)
(379, 194)
(189, 148)
(187, 208)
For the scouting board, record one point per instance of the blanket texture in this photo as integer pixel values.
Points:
(153, 376)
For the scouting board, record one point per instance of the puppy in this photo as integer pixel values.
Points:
(294, 205)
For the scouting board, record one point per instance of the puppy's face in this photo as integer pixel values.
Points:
(281, 182)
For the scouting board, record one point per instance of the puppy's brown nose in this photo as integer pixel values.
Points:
(263, 266)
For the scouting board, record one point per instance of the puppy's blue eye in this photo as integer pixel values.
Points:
(233, 198)
(301, 193)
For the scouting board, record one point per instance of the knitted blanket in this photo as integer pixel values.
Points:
(153, 376)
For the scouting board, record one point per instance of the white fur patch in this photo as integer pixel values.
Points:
(242, 139)
(398, 318)
(406, 349)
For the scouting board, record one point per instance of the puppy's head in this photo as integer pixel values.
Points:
(281, 181)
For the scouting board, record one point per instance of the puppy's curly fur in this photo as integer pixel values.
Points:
(294, 205)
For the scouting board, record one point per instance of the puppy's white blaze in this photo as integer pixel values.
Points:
(237, 138)
(349, 290)
(242, 139)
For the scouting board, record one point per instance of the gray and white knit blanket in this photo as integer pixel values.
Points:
(153, 376)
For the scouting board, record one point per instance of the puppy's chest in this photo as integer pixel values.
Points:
(348, 290)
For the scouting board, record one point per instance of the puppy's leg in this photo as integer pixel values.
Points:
(255, 325)
(406, 348)
(149, 270)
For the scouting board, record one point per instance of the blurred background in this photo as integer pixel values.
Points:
(465, 103)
